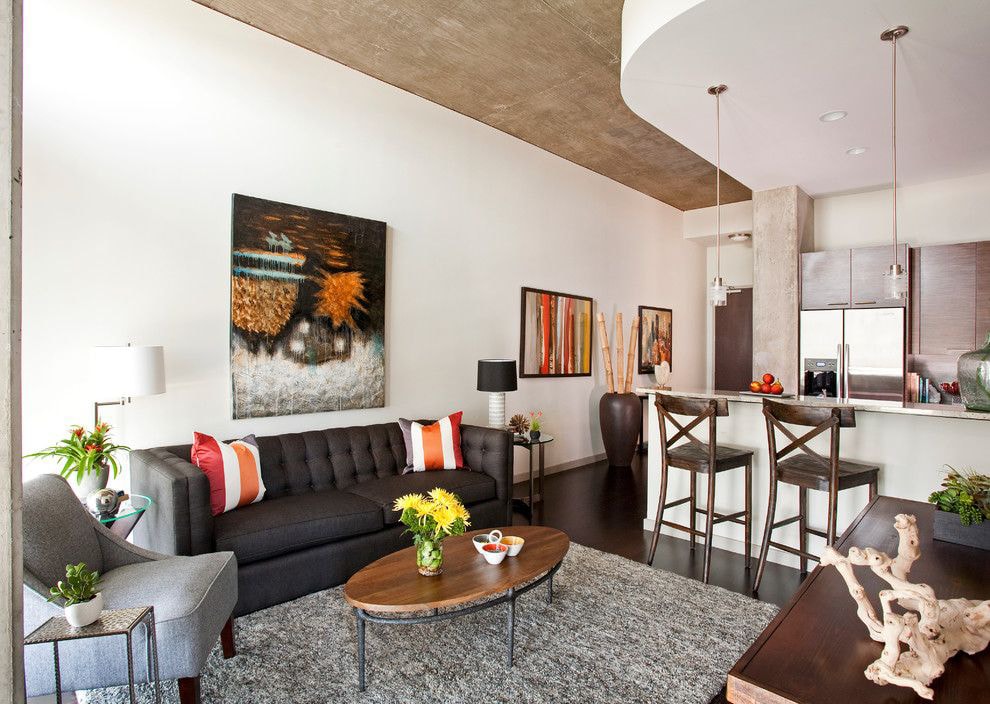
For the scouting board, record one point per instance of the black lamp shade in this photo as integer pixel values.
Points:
(496, 375)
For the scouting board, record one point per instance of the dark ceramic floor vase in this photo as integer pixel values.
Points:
(949, 529)
(620, 416)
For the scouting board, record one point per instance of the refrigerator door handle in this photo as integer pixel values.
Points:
(840, 361)
(845, 373)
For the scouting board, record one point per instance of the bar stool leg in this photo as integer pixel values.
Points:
(709, 523)
(803, 526)
(833, 501)
(660, 507)
(767, 532)
(694, 507)
(748, 528)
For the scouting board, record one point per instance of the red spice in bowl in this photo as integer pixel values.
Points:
(494, 547)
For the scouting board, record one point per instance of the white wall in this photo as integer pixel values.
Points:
(735, 217)
(143, 116)
(940, 212)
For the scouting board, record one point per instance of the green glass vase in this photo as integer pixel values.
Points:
(429, 557)
(974, 378)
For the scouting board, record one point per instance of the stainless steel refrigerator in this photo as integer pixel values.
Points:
(867, 345)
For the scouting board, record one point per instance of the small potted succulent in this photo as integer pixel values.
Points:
(86, 455)
(535, 425)
(79, 594)
(963, 507)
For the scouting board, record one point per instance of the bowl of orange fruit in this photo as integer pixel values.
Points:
(767, 385)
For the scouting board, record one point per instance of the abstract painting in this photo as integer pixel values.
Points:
(656, 338)
(555, 337)
(307, 310)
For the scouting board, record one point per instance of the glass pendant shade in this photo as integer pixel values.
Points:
(718, 292)
(895, 282)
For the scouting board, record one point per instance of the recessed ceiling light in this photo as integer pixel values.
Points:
(739, 236)
(832, 115)
(856, 151)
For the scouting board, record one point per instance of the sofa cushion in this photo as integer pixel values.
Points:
(278, 526)
(471, 487)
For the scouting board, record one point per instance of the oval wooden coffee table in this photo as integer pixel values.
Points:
(392, 585)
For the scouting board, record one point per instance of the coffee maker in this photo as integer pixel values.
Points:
(821, 377)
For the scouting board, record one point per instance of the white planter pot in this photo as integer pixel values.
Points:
(79, 615)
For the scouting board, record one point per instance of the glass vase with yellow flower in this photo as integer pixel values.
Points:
(430, 519)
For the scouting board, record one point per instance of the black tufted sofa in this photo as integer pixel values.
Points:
(327, 510)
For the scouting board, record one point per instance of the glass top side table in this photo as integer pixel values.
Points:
(127, 516)
(119, 622)
(525, 441)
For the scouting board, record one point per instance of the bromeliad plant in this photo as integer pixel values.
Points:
(84, 452)
(78, 587)
(966, 493)
(430, 519)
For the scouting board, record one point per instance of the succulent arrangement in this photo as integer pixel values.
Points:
(966, 493)
(79, 586)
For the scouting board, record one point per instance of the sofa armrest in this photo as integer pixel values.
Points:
(489, 450)
(179, 522)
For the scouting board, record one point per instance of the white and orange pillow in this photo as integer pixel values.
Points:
(233, 470)
(434, 446)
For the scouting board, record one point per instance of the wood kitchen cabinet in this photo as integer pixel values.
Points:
(867, 268)
(947, 299)
(982, 292)
(825, 280)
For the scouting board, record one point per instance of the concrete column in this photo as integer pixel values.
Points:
(11, 590)
(783, 227)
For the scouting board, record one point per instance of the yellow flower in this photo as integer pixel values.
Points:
(413, 501)
(445, 517)
(462, 513)
(444, 497)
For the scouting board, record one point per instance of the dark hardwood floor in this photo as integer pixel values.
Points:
(603, 507)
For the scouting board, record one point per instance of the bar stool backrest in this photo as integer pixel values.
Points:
(820, 418)
(699, 409)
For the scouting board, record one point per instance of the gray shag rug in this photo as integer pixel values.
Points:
(617, 631)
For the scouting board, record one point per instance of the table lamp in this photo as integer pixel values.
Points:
(122, 372)
(496, 376)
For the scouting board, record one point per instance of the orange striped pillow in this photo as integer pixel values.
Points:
(434, 446)
(233, 470)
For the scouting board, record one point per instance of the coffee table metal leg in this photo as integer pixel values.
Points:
(512, 623)
(550, 590)
(360, 636)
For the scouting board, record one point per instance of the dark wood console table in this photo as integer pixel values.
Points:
(815, 650)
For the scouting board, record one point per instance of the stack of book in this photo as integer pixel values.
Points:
(921, 390)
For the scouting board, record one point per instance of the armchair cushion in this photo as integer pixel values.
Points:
(471, 487)
(277, 526)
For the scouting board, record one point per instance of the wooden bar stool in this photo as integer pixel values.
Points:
(809, 470)
(699, 458)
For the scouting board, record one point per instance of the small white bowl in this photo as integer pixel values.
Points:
(494, 553)
(480, 541)
(514, 543)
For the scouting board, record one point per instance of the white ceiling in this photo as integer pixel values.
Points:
(787, 62)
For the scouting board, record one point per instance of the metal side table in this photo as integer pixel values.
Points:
(524, 441)
(120, 622)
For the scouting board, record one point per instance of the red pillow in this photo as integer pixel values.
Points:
(233, 470)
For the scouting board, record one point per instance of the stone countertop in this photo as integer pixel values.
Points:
(936, 410)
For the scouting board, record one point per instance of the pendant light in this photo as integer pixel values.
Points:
(896, 278)
(718, 292)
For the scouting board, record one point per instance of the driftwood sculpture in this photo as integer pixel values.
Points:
(932, 629)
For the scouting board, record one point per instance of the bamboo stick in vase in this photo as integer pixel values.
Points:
(606, 353)
(633, 335)
(619, 359)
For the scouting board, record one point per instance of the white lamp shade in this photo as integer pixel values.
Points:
(117, 372)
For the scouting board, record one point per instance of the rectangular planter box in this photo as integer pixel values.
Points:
(950, 530)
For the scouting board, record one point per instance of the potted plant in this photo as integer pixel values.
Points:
(86, 455)
(963, 505)
(535, 425)
(78, 591)
(430, 519)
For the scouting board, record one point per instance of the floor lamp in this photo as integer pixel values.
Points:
(122, 372)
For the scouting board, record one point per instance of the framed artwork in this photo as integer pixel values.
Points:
(307, 310)
(656, 338)
(555, 334)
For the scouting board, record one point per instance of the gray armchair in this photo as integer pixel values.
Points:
(193, 597)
